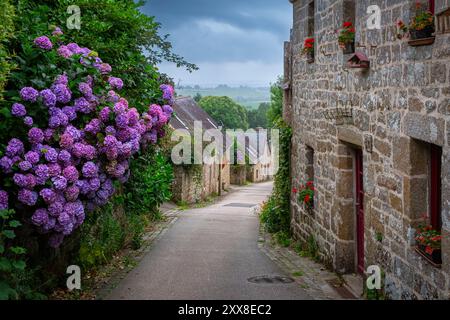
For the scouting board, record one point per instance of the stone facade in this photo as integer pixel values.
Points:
(400, 107)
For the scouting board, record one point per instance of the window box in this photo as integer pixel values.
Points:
(421, 42)
(310, 57)
(433, 256)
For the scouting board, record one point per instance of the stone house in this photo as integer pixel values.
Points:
(259, 157)
(195, 182)
(375, 140)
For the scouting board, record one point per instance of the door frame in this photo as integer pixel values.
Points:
(358, 182)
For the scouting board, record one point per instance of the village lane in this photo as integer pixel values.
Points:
(210, 253)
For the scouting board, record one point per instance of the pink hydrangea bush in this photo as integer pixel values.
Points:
(67, 168)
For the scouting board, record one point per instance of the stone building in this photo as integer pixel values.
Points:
(195, 182)
(374, 140)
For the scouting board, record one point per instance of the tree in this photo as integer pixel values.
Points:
(226, 112)
(122, 35)
(258, 117)
(197, 97)
(275, 111)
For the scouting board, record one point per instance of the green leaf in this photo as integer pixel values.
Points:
(19, 264)
(9, 234)
(5, 264)
(14, 224)
(18, 250)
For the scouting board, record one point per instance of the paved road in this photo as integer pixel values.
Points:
(209, 253)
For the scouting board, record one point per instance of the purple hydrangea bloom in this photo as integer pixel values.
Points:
(104, 68)
(62, 93)
(109, 130)
(59, 182)
(57, 32)
(29, 94)
(104, 114)
(115, 83)
(3, 200)
(48, 98)
(64, 52)
(66, 141)
(82, 105)
(40, 217)
(25, 165)
(94, 183)
(42, 173)
(62, 79)
(167, 109)
(71, 173)
(168, 91)
(85, 89)
(122, 120)
(6, 164)
(28, 121)
(70, 112)
(73, 132)
(48, 134)
(54, 122)
(18, 110)
(27, 197)
(54, 169)
(155, 110)
(55, 208)
(93, 127)
(51, 155)
(112, 96)
(64, 156)
(14, 148)
(32, 157)
(72, 192)
(48, 195)
(43, 42)
(35, 136)
(89, 170)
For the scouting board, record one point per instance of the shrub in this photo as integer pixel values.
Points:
(81, 138)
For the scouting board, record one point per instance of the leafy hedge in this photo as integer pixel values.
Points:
(6, 32)
(276, 211)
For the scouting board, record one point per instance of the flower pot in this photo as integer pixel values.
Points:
(433, 256)
(348, 47)
(310, 57)
(422, 34)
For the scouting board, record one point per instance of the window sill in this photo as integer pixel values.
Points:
(427, 258)
(421, 42)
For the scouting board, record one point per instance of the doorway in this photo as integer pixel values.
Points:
(359, 209)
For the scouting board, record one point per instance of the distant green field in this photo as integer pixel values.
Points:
(247, 96)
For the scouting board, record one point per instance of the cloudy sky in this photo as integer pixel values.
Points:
(233, 42)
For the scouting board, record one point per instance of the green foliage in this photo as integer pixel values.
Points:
(15, 279)
(276, 212)
(150, 183)
(226, 112)
(258, 118)
(283, 238)
(275, 111)
(6, 32)
(122, 35)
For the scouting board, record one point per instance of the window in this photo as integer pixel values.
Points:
(434, 177)
(311, 11)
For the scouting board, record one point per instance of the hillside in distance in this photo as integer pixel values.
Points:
(249, 97)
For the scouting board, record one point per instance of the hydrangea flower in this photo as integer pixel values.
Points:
(48, 98)
(115, 83)
(27, 197)
(35, 136)
(29, 94)
(15, 147)
(40, 217)
(3, 200)
(89, 170)
(18, 110)
(43, 42)
(28, 121)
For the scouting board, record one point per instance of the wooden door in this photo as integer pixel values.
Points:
(359, 209)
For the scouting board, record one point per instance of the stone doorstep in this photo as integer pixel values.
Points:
(319, 281)
(355, 284)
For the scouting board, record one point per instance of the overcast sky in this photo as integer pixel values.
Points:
(233, 42)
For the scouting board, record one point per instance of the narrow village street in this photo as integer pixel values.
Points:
(210, 253)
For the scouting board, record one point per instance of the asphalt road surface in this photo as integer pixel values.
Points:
(210, 253)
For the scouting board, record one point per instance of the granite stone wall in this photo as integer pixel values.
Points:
(400, 105)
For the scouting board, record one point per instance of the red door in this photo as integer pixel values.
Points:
(359, 203)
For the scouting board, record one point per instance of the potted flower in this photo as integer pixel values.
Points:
(347, 38)
(306, 194)
(308, 49)
(429, 243)
(420, 27)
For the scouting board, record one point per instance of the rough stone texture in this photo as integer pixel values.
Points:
(238, 174)
(399, 105)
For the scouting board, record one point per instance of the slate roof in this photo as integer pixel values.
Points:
(186, 111)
